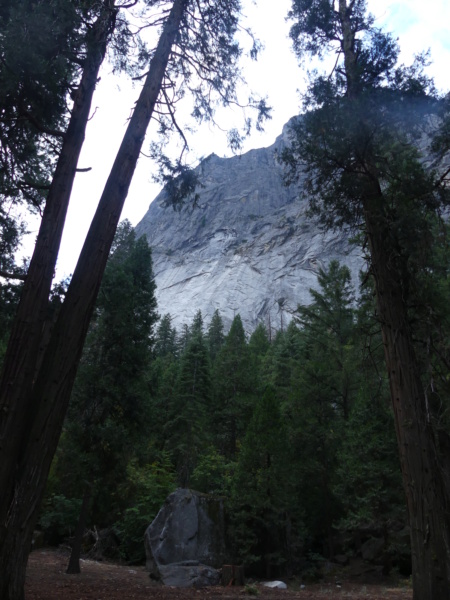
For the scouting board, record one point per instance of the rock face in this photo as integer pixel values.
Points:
(247, 248)
(185, 544)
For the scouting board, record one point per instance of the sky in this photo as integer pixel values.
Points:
(418, 25)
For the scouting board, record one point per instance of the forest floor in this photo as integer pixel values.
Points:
(47, 580)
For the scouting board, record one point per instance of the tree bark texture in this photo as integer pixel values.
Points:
(52, 387)
(424, 479)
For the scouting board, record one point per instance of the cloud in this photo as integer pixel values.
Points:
(419, 27)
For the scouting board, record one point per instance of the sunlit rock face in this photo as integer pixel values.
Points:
(247, 248)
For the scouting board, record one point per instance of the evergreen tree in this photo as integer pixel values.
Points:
(163, 378)
(261, 491)
(282, 362)
(196, 328)
(368, 478)
(328, 325)
(259, 346)
(165, 339)
(184, 338)
(363, 171)
(234, 388)
(318, 378)
(187, 429)
(36, 73)
(215, 335)
(109, 405)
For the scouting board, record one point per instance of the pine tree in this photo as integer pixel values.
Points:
(187, 428)
(261, 491)
(234, 388)
(215, 335)
(259, 346)
(283, 359)
(317, 375)
(328, 324)
(196, 328)
(165, 339)
(368, 478)
(109, 404)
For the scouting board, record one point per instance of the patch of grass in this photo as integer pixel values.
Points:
(251, 589)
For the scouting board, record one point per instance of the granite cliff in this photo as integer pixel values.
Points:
(247, 247)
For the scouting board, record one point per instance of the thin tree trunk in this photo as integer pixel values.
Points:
(424, 479)
(25, 343)
(73, 568)
(53, 385)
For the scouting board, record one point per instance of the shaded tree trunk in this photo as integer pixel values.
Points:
(73, 568)
(29, 465)
(424, 479)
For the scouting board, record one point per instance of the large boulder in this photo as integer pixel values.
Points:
(185, 544)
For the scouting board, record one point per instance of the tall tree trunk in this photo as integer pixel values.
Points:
(425, 483)
(424, 479)
(53, 385)
(25, 343)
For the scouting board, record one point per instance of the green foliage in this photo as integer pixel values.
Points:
(215, 335)
(261, 488)
(109, 405)
(187, 429)
(259, 346)
(319, 361)
(165, 339)
(59, 516)
(213, 474)
(251, 589)
(235, 385)
(42, 45)
(281, 361)
(368, 473)
(35, 77)
(313, 454)
(147, 487)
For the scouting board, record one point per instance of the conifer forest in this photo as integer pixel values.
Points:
(328, 437)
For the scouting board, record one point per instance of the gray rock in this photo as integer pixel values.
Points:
(187, 535)
(189, 575)
(249, 246)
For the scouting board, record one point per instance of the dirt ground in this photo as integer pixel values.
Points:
(46, 580)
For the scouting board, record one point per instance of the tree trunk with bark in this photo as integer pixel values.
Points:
(73, 568)
(424, 479)
(425, 483)
(52, 387)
